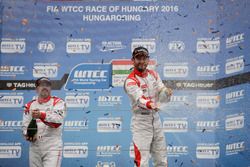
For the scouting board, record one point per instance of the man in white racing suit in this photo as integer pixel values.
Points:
(49, 112)
(146, 90)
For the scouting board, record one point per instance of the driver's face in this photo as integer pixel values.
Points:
(44, 89)
(141, 62)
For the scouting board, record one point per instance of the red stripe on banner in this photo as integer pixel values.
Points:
(152, 62)
(122, 62)
(137, 156)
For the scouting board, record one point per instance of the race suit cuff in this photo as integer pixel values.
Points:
(43, 115)
(148, 105)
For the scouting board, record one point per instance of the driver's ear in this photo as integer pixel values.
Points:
(133, 60)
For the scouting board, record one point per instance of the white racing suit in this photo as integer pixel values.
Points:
(46, 151)
(146, 126)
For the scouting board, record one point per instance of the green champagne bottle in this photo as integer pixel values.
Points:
(32, 128)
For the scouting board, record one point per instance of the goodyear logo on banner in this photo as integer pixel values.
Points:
(89, 76)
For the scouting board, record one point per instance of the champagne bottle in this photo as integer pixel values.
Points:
(32, 128)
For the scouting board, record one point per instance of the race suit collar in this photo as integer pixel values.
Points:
(41, 100)
(141, 74)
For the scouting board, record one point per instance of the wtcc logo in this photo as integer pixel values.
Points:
(178, 99)
(108, 151)
(208, 70)
(78, 101)
(234, 40)
(175, 70)
(9, 45)
(207, 151)
(92, 74)
(235, 148)
(10, 125)
(235, 96)
(176, 151)
(10, 150)
(109, 100)
(109, 124)
(15, 69)
(76, 125)
(147, 43)
(46, 46)
(89, 76)
(208, 45)
(175, 125)
(207, 126)
(208, 101)
(176, 46)
(11, 70)
(11, 101)
(45, 70)
(234, 65)
(75, 150)
(234, 122)
(78, 46)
